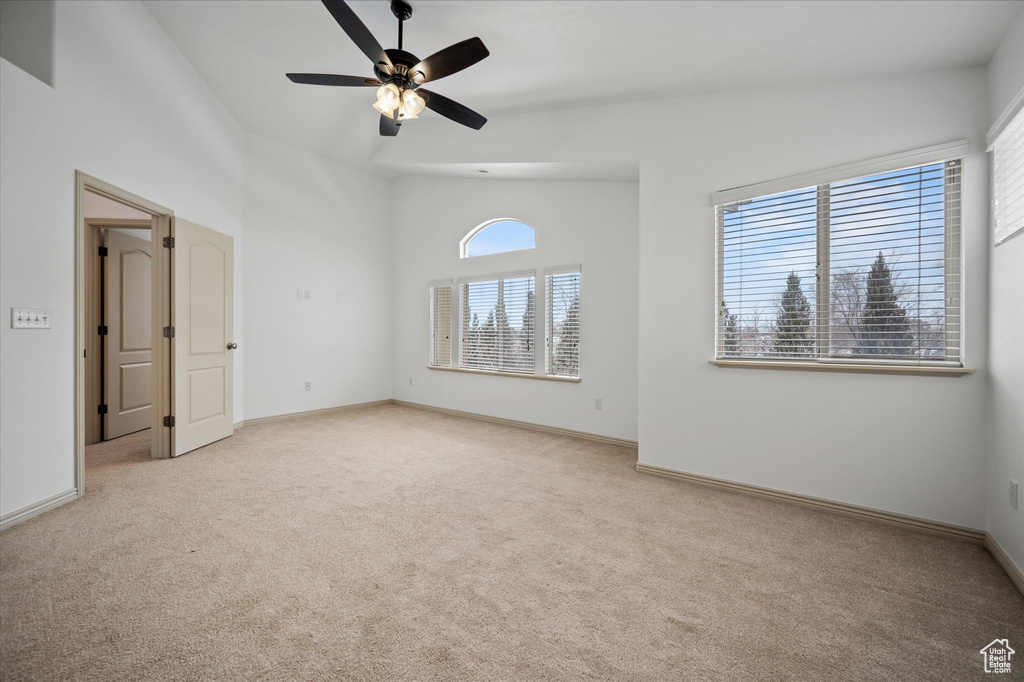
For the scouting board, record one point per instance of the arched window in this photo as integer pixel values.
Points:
(497, 236)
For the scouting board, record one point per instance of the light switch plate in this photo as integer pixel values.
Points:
(30, 318)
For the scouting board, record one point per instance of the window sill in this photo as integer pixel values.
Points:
(919, 370)
(542, 377)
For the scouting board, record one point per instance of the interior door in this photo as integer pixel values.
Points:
(203, 268)
(128, 343)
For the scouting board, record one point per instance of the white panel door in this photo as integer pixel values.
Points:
(203, 267)
(128, 344)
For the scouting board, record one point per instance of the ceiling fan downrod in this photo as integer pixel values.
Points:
(402, 11)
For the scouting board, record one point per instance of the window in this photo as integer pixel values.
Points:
(563, 322)
(497, 324)
(498, 236)
(861, 269)
(440, 324)
(1008, 180)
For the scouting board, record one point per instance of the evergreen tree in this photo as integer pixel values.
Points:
(488, 342)
(526, 347)
(506, 351)
(884, 327)
(566, 359)
(793, 336)
(471, 343)
(731, 335)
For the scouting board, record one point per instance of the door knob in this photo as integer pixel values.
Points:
(232, 346)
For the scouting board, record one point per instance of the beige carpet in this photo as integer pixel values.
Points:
(392, 543)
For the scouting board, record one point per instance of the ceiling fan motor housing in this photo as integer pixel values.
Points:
(403, 61)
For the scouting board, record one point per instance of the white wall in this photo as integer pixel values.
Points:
(912, 445)
(148, 124)
(1006, 340)
(594, 224)
(314, 224)
(1006, 70)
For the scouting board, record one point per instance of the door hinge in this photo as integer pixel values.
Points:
(168, 242)
(103, 251)
(102, 330)
(169, 332)
(169, 421)
(102, 409)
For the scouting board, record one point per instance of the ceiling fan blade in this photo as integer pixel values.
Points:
(332, 79)
(449, 108)
(389, 127)
(358, 32)
(450, 60)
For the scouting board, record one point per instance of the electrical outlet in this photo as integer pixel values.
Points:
(309, 386)
(598, 403)
(306, 292)
(410, 381)
(1013, 493)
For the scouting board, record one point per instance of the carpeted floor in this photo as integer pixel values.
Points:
(392, 543)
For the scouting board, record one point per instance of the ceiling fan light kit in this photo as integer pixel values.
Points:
(399, 74)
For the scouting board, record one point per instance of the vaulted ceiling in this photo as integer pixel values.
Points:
(556, 54)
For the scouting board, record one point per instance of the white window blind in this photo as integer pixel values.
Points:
(497, 324)
(440, 325)
(563, 323)
(1008, 180)
(864, 269)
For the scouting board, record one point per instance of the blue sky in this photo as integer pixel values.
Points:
(506, 235)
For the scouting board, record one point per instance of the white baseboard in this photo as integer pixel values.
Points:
(311, 413)
(935, 527)
(525, 425)
(1005, 562)
(972, 535)
(26, 513)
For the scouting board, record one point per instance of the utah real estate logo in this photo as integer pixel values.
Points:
(997, 656)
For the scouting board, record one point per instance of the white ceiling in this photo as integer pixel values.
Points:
(558, 54)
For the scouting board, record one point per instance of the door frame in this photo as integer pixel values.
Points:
(162, 385)
(94, 316)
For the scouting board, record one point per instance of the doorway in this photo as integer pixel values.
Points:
(115, 368)
(162, 370)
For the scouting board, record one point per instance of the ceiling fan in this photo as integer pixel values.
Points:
(399, 74)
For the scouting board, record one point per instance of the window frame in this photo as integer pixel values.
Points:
(823, 359)
(472, 234)
(539, 299)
